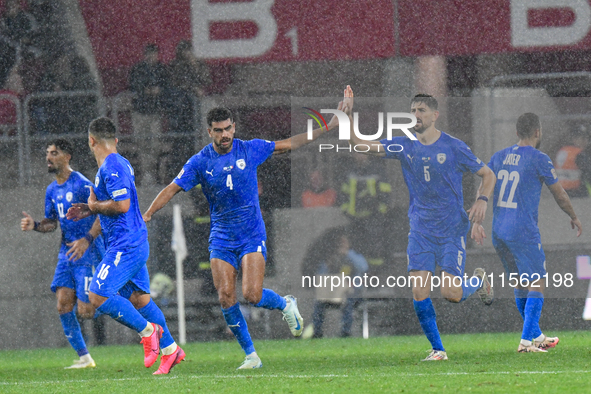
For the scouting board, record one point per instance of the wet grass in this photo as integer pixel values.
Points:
(477, 363)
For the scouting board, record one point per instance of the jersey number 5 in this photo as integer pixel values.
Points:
(506, 177)
(426, 172)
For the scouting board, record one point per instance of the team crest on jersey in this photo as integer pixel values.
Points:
(441, 158)
(96, 181)
(69, 196)
(240, 163)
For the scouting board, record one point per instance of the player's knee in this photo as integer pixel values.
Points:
(85, 311)
(452, 295)
(226, 296)
(96, 300)
(64, 307)
(420, 294)
(252, 295)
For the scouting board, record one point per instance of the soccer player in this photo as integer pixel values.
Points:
(120, 286)
(81, 249)
(520, 171)
(433, 166)
(227, 172)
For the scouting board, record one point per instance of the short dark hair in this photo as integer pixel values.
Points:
(102, 128)
(527, 124)
(427, 99)
(150, 48)
(63, 145)
(219, 114)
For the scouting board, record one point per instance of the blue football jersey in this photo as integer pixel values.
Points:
(115, 180)
(229, 183)
(520, 172)
(58, 199)
(433, 174)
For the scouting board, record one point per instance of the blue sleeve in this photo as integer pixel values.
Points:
(189, 177)
(394, 148)
(260, 150)
(466, 160)
(50, 212)
(118, 183)
(83, 189)
(491, 163)
(546, 170)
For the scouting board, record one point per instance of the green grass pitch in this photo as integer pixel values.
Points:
(478, 363)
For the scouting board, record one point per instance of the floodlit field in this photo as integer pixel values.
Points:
(478, 363)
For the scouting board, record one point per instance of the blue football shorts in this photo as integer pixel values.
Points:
(233, 256)
(73, 275)
(426, 252)
(122, 271)
(527, 259)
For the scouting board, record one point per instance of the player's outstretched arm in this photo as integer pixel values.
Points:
(161, 200)
(79, 246)
(376, 148)
(564, 203)
(299, 140)
(44, 226)
(487, 185)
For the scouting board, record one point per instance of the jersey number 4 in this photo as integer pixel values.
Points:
(229, 182)
(505, 176)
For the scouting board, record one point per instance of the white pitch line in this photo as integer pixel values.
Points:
(290, 376)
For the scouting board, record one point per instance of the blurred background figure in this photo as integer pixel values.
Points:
(331, 254)
(148, 79)
(567, 163)
(318, 193)
(189, 80)
(16, 24)
(365, 194)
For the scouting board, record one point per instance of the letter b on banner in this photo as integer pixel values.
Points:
(258, 11)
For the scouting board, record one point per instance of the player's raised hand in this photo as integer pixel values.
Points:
(77, 249)
(478, 234)
(78, 211)
(334, 122)
(27, 223)
(573, 223)
(348, 100)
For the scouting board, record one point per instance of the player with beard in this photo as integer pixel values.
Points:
(433, 167)
(226, 169)
(520, 171)
(81, 249)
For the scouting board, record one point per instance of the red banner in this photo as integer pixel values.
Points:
(241, 31)
(303, 30)
(462, 27)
